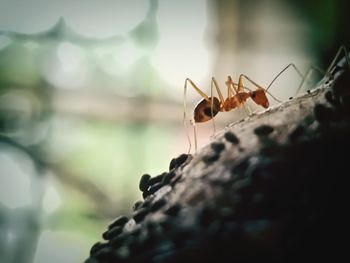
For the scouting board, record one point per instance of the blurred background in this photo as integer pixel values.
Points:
(91, 98)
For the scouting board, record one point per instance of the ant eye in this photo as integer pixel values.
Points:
(253, 94)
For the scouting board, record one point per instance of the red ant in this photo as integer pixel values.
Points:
(209, 107)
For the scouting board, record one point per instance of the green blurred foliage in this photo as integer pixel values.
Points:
(18, 66)
(328, 22)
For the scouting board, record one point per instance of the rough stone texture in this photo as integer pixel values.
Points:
(268, 188)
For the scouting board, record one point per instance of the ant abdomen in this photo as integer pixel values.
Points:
(203, 111)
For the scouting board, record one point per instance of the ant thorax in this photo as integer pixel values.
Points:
(235, 101)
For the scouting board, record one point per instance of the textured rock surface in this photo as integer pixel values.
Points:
(268, 188)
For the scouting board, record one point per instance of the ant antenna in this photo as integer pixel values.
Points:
(283, 70)
(274, 97)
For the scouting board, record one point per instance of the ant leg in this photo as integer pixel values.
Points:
(330, 68)
(196, 88)
(334, 61)
(185, 110)
(247, 109)
(185, 119)
(231, 87)
(240, 83)
(306, 76)
(212, 102)
(213, 81)
(222, 101)
(193, 123)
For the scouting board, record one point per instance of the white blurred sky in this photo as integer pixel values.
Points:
(181, 50)
(90, 17)
(185, 31)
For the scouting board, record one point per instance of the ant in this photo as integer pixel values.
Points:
(237, 96)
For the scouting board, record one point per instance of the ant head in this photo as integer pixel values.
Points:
(203, 110)
(259, 97)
